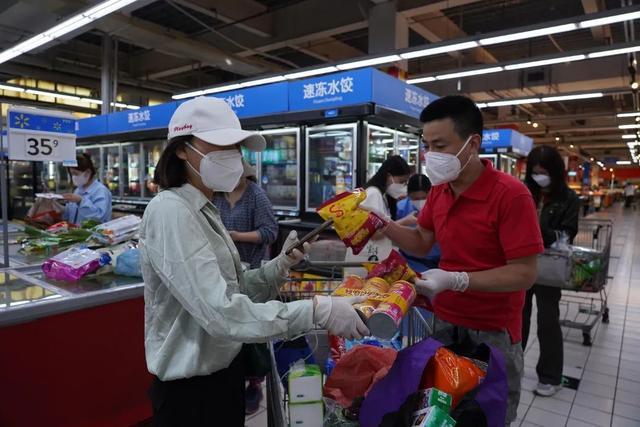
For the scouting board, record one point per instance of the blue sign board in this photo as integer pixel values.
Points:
(398, 95)
(257, 101)
(500, 140)
(331, 91)
(25, 121)
(155, 117)
(91, 126)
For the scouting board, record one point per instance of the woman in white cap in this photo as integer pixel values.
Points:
(200, 304)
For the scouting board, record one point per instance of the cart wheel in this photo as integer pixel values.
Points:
(586, 339)
(605, 315)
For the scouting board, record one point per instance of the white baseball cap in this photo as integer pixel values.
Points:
(212, 120)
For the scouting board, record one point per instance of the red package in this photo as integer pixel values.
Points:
(392, 269)
(337, 347)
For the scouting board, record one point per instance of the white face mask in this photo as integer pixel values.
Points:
(541, 179)
(219, 170)
(444, 167)
(419, 204)
(397, 190)
(80, 180)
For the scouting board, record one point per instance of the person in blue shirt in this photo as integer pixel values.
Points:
(91, 199)
(407, 211)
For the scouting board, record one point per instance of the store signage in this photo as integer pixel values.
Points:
(41, 135)
(155, 117)
(333, 90)
(504, 140)
(91, 126)
(257, 101)
(398, 95)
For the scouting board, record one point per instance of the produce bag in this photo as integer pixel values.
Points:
(128, 263)
(356, 372)
(354, 226)
(44, 212)
(73, 264)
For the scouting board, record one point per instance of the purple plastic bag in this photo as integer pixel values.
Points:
(73, 264)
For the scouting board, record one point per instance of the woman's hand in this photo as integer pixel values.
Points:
(70, 197)
(234, 235)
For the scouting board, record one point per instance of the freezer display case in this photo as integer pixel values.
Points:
(330, 165)
(278, 166)
(54, 178)
(380, 145)
(112, 168)
(132, 171)
(250, 156)
(408, 146)
(22, 187)
(95, 153)
(493, 158)
(152, 152)
(508, 165)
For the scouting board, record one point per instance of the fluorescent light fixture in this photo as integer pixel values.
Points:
(629, 137)
(632, 114)
(368, 62)
(264, 81)
(513, 102)
(481, 104)
(438, 50)
(128, 106)
(421, 80)
(52, 94)
(529, 34)
(623, 162)
(628, 126)
(545, 62)
(106, 8)
(610, 19)
(612, 52)
(600, 164)
(470, 73)
(221, 88)
(68, 26)
(310, 73)
(13, 88)
(91, 101)
(572, 97)
(188, 94)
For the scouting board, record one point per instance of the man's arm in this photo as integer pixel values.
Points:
(415, 241)
(518, 274)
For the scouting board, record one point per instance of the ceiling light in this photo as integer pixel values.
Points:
(535, 124)
(529, 121)
(628, 126)
(633, 114)
(438, 50)
(91, 101)
(611, 52)
(543, 62)
(106, 8)
(221, 88)
(570, 145)
(628, 137)
(634, 85)
(623, 162)
(481, 104)
(309, 73)
(572, 97)
(421, 80)
(529, 34)
(470, 73)
(592, 159)
(188, 94)
(368, 62)
(557, 138)
(513, 102)
(13, 88)
(610, 169)
(610, 19)
(53, 94)
(264, 81)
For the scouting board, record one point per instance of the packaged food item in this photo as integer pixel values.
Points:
(337, 347)
(385, 320)
(350, 282)
(432, 416)
(378, 288)
(75, 263)
(118, 230)
(60, 227)
(354, 226)
(392, 269)
(434, 397)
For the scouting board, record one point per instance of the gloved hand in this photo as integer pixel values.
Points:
(435, 281)
(337, 315)
(283, 261)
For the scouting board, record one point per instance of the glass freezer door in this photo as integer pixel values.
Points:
(330, 162)
(380, 145)
(132, 170)
(112, 167)
(493, 158)
(152, 152)
(279, 167)
(408, 146)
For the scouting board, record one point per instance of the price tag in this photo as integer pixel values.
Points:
(41, 135)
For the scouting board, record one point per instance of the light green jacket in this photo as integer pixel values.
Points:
(200, 304)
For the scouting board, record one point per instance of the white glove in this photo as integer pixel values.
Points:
(435, 281)
(337, 315)
(283, 261)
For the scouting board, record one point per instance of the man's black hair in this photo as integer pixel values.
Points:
(465, 114)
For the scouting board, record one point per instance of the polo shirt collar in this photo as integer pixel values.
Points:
(483, 186)
(193, 196)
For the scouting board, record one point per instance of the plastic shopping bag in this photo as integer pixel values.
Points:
(73, 264)
(128, 263)
(44, 212)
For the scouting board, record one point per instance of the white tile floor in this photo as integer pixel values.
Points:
(609, 391)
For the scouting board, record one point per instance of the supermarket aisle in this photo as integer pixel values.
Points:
(609, 371)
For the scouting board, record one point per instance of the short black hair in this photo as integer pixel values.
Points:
(84, 164)
(418, 182)
(550, 159)
(465, 114)
(171, 171)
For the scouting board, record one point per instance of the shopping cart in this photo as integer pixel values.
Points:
(581, 273)
(312, 278)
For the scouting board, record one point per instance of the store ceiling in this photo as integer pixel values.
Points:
(171, 46)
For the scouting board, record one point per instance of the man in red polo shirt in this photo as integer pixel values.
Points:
(486, 224)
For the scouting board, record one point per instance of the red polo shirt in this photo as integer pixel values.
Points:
(493, 221)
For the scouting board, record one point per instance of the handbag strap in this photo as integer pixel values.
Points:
(493, 393)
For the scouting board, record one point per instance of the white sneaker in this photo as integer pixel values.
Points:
(547, 390)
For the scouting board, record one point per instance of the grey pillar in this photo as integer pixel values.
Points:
(388, 30)
(106, 82)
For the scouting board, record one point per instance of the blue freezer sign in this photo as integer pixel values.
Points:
(413, 97)
(334, 90)
(328, 88)
(257, 101)
(139, 118)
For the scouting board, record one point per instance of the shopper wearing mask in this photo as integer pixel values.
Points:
(200, 304)
(558, 212)
(91, 199)
(485, 222)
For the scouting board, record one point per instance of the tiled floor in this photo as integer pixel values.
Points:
(609, 371)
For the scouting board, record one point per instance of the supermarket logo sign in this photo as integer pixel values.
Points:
(328, 90)
(139, 118)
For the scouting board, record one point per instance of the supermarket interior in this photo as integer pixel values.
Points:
(273, 213)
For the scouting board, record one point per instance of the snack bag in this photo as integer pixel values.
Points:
(392, 269)
(452, 374)
(354, 226)
(73, 264)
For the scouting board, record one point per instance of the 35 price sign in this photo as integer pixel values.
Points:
(41, 135)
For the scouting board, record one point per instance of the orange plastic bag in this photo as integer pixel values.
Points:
(357, 371)
(452, 374)
(354, 226)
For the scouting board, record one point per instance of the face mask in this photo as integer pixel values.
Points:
(80, 180)
(418, 204)
(444, 167)
(397, 190)
(219, 170)
(541, 179)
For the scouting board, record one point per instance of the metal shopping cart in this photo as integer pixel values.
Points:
(582, 274)
(321, 278)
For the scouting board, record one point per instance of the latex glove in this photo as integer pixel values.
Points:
(284, 262)
(337, 315)
(435, 281)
